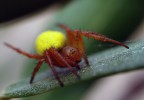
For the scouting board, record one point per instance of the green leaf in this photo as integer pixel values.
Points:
(109, 62)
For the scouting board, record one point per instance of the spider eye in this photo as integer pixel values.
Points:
(72, 51)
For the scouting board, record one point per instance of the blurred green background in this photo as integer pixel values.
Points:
(117, 19)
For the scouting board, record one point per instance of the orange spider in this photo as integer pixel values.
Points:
(54, 49)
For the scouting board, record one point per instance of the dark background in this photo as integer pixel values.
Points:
(11, 9)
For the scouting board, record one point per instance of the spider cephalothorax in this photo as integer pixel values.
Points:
(55, 49)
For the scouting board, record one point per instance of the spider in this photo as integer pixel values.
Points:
(55, 49)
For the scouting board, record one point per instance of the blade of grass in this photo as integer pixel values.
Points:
(106, 63)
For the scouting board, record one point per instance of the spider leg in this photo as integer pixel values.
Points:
(73, 63)
(34, 56)
(86, 59)
(101, 37)
(61, 59)
(70, 34)
(75, 40)
(36, 70)
(48, 60)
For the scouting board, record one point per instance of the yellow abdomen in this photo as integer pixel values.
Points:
(49, 39)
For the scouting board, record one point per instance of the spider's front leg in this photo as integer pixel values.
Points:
(100, 37)
(59, 58)
(49, 61)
